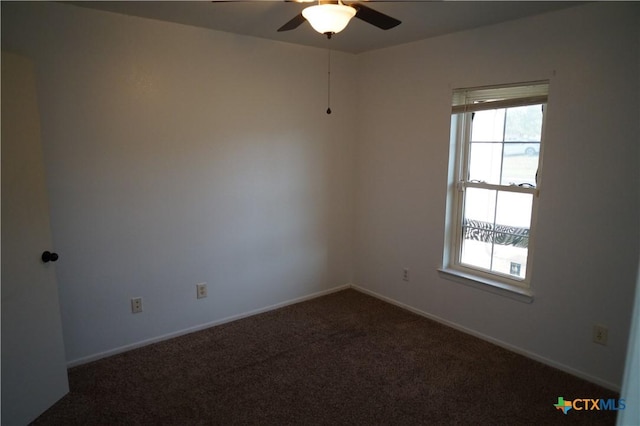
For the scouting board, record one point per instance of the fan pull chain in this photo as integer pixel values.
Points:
(329, 84)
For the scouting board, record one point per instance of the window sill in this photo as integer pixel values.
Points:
(520, 294)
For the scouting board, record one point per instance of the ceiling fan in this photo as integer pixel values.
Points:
(329, 18)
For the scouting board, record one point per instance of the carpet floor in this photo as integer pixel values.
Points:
(341, 359)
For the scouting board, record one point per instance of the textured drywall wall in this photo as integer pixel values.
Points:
(586, 250)
(177, 155)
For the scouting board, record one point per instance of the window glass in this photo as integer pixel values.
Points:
(480, 207)
(480, 204)
(520, 164)
(505, 145)
(498, 154)
(513, 209)
(523, 124)
(476, 251)
(485, 162)
(509, 260)
(488, 126)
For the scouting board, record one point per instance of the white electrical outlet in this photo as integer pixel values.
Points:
(405, 274)
(136, 305)
(600, 334)
(201, 290)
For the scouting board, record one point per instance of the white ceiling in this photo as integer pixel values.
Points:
(261, 18)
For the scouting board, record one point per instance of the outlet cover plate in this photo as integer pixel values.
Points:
(405, 274)
(201, 290)
(600, 334)
(136, 305)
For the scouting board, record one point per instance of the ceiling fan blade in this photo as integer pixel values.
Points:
(293, 24)
(374, 17)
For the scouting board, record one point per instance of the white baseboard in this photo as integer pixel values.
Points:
(528, 354)
(524, 352)
(125, 348)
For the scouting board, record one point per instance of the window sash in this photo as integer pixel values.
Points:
(462, 185)
(463, 129)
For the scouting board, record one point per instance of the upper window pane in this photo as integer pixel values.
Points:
(504, 146)
(488, 126)
(523, 124)
(520, 164)
(485, 162)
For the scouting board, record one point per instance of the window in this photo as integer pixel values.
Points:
(497, 135)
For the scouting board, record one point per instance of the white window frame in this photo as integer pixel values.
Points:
(465, 103)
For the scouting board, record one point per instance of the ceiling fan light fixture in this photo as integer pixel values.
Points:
(329, 18)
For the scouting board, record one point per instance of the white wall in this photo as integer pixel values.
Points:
(588, 233)
(177, 155)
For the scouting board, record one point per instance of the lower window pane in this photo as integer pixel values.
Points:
(509, 260)
(476, 247)
(514, 209)
(480, 204)
(495, 231)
